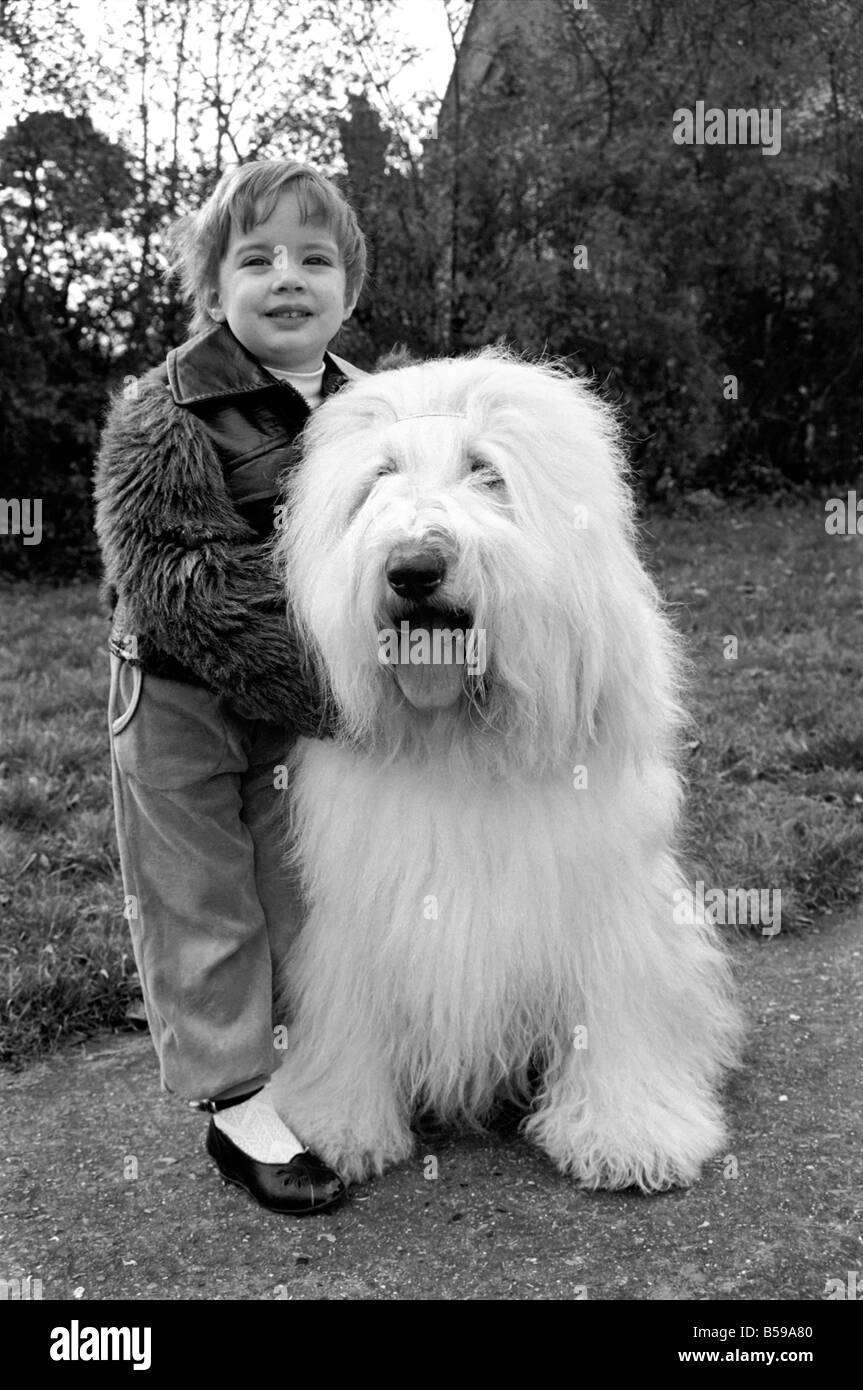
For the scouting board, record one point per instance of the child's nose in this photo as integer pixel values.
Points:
(287, 271)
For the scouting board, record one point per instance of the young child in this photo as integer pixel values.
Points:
(207, 685)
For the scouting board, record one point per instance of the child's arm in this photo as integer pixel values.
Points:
(185, 563)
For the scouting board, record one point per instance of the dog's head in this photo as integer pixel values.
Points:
(460, 553)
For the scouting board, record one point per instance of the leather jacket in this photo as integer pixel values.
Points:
(186, 480)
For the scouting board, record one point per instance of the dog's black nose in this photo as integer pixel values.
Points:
(415, 574)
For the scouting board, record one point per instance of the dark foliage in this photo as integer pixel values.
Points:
(701, 263)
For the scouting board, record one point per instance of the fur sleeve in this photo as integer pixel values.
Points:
(189, 569)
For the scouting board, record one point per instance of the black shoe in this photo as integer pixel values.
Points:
(302, 1187)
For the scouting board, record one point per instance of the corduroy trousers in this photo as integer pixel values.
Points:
(210, 902)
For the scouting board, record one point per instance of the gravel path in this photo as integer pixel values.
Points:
(106, 1192)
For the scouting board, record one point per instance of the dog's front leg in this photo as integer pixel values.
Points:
(618, 1129)
(336, 1087)
(630, 1096)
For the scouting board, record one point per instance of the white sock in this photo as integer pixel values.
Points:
(256, 1128)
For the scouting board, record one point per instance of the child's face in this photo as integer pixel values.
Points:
(282, 289)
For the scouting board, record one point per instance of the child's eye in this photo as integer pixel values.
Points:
(256, 260)
(321, 260)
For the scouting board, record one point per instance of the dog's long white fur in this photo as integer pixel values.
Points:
(473, 907)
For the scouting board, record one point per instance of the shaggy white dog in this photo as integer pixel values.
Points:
(487, 852)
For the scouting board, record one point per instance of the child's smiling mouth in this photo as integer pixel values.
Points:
(289, 313)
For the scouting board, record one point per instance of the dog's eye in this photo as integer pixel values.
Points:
(386, 468)
(485, 473)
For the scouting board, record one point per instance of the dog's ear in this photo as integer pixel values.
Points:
(399, 355)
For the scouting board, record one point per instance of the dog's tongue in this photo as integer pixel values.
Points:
(429, 684)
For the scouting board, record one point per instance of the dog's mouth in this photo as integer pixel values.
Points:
(430, 651)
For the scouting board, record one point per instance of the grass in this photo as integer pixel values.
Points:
(66, 965)
(775, 763)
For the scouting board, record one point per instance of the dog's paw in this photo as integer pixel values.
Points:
(657, 1173)
(355, 1162)
(660, 1155)
(354, 1147)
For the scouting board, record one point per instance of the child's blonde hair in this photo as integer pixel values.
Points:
(242, 198)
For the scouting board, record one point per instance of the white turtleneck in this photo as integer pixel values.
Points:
(309, 384)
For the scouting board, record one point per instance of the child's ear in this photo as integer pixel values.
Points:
(214, 308)
(350, 305)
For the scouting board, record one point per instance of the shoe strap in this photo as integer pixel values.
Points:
(212, 1106)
